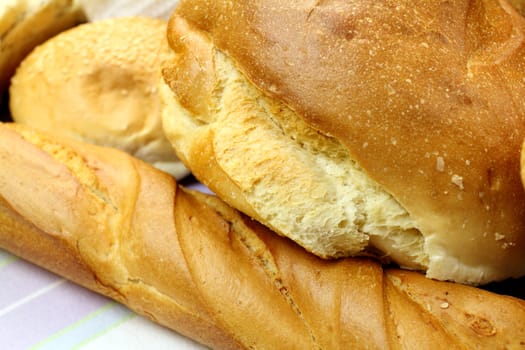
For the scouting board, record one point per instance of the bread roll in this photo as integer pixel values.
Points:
(360, 128)
(186, 260)
(98, 83)
(24, 24)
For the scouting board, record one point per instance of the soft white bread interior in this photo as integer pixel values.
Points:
(186, 260)
(97, 83)
(356, 127)
(24, 24)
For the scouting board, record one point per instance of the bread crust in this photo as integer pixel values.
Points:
(426, 97)
(97, 83)
(188, 261)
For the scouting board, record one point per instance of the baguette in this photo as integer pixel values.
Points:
(186, 260)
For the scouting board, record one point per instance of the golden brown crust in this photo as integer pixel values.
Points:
(110, 254)
(427, 98)
(195, 265)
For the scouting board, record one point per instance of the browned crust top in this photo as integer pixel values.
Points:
(427, 97)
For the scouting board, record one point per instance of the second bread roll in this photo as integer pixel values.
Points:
(98, 83)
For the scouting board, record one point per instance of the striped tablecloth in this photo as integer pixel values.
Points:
(40, 310)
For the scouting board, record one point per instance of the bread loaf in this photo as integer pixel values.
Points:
(188, 261)
(24, 24)
(98, 83)
(359, 127)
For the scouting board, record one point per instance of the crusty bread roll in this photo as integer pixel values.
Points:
(98, 83)
(357, 127)
(24, 24)
(186, 260)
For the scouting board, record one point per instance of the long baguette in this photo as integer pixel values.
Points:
(186, 260)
